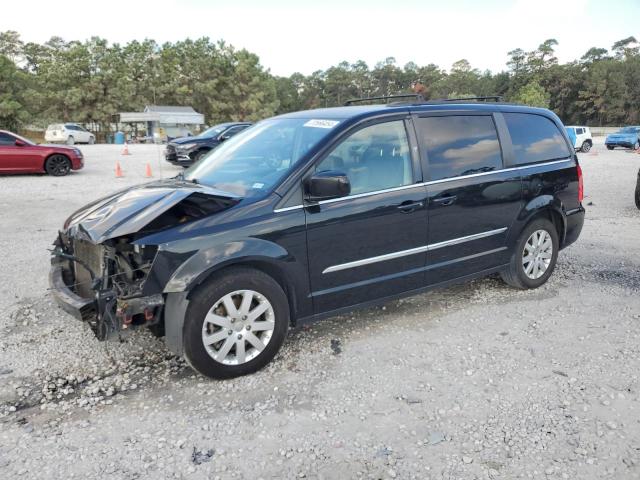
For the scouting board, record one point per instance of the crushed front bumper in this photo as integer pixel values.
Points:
(81, 308)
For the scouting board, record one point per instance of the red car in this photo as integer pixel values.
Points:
(19, 155)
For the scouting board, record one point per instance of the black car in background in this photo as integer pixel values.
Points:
(185, 151)
(316, 213)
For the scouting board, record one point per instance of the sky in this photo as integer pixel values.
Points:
(304, 36)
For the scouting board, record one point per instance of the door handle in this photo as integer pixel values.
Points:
(409, 206)
(445, 200)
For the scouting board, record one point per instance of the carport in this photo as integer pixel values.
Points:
(162, 122)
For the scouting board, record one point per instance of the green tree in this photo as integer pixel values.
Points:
(533, 94)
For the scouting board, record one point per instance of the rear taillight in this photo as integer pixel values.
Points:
(580, 185)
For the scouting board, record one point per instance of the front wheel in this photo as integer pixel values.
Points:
(535, 256)
(235, 323)
(610, 147)
(637, 195)
(92, 140)
(586, 146)
(199, 154)
(636, 145)
(57, 165)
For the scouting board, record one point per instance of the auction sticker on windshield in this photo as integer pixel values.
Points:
(322, 123)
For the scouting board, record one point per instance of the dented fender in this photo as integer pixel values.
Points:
(200, 265)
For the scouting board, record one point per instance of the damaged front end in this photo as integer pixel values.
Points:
(102, 284)
(102, 271)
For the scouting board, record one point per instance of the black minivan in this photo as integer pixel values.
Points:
(314, 213)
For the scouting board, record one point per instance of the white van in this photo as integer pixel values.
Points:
(583, 141)
(68, 133)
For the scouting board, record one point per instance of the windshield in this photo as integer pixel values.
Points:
(213, 131)
(253, 161)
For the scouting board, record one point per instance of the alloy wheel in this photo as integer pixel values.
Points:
(238, 327)
(537, 253)
(58, 165)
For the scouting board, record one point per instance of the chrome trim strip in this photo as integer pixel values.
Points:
(287, 209)
(511, 169)
(468, 238)
(367, 194)
(379, 258)
(412, 251)
(431, 182)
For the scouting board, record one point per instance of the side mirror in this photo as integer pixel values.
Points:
(224, 136)
(20, 143)
(326, 185)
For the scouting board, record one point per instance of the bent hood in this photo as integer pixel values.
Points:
(130, 210)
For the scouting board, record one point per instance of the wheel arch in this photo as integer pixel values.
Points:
(546, 207)
(44, 162)
(177, 303)
(263, 264)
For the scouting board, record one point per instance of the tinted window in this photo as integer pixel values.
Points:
(579, 131)
(535, 138)
(374, 158)
(460, 145)
(233, 130)
(7, 139)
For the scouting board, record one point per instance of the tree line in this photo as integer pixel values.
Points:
(90, 82)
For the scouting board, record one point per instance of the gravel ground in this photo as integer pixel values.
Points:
(477, 381)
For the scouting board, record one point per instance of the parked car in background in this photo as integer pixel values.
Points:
(581, 137)
(637, 193)
(69, 133)
(628, 137)
(20, 155)
(187, 150)
(312, 214)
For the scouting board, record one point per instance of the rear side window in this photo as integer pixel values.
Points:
(579, 131)
(7, 139)
(460, 145)
(535, 138)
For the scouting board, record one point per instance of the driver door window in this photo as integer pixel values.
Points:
(374, 158)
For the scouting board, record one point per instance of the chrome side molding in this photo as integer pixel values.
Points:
(412, 251)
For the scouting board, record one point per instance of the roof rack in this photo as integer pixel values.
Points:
(495, 98)
(419, 98)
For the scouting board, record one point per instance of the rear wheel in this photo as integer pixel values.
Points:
(235, 323)
(586, 146)
(610, 147)
(92, 140)
(57, 165)
(637, 195)
(636, 145)
(70, 140)
(534, 257)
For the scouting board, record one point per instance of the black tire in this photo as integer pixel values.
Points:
(514, 275)
(71, 140)
(203, 301)
(57, 165)
(198, 155)
(636, 145)
(586, 146)
(610, 147)
(637, 193)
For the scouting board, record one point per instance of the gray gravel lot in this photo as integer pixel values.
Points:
(477, 381)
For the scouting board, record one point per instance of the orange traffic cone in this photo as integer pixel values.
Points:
(125, 150)
(147, 171)
(119, 173)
